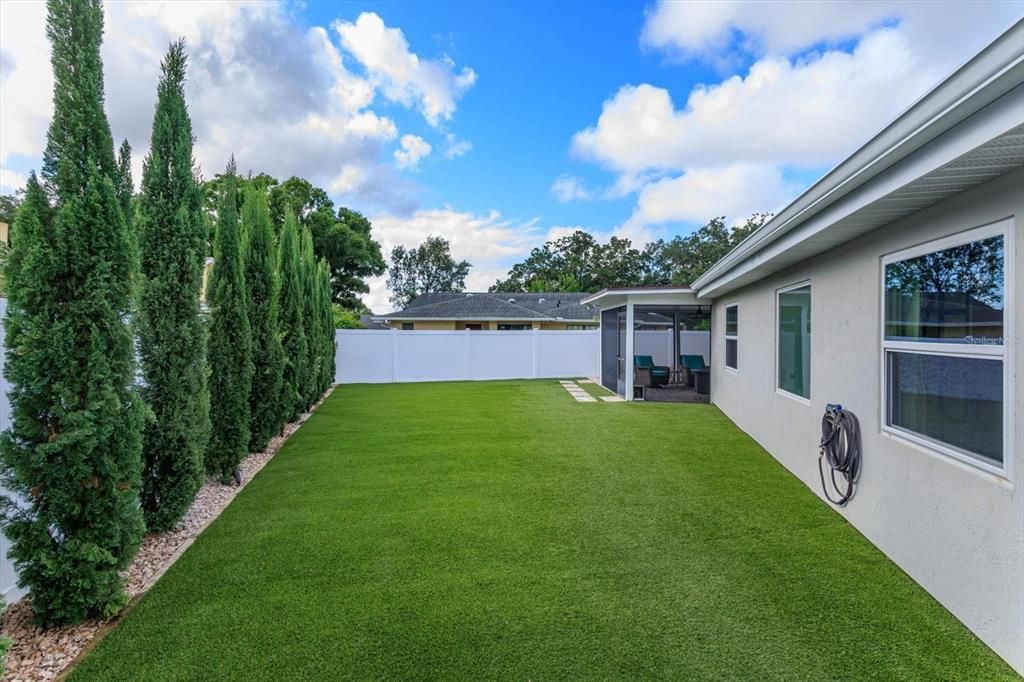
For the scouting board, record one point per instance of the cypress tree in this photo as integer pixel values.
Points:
(73, 453)
(293, 338)
(172, 338)
(123, 181)
(125, 189)
(326, 327)
(230, 340)
(262, 286)
(310, 321)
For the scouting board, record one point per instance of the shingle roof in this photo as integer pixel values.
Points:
(509, 306)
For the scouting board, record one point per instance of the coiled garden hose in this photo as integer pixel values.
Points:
(840, 447)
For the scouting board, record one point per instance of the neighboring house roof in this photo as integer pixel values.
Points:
(968, 130)
(370, 322)
(561, 306)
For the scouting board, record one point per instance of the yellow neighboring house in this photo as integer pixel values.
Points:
(484, 311)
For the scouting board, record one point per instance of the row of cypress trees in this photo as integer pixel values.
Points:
(102, 447)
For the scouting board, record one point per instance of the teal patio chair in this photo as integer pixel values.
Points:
(648, 373)
(692, 363)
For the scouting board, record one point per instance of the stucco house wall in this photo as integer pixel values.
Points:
(955, 529)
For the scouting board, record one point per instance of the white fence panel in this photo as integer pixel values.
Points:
(8, 578)
(658, 344)
(371, 356)
(428, 356)
(500, 355)
(569, 354)
(365, 362)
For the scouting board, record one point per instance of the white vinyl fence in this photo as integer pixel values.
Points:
(658, 344)
(8, 578)
(393, 356)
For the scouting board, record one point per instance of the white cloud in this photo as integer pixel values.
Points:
(704, 28)
(433, 85)
(804, 113)
(738, 190)
(26, 81)
(455, 147)
(489, 242)
(806, 101)
(413, 149)
(945, 33)
(260, 86)
(11, 182)
(568, 188)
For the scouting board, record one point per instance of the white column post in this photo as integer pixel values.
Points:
(630, 362)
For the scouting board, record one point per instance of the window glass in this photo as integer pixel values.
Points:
(730, 353)
(955, 400)
(407, 326)
(731, 320)
(795, 341)
(951, 296)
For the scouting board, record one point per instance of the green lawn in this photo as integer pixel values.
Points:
(504, 531)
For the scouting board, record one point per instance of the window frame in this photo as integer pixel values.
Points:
(778, 320)
(731, 337)
(1001, 228)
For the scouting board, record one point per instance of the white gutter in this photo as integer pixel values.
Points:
(993, 72)
(486, 318)
(593, 298)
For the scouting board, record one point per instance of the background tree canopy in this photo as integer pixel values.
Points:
(341, 236)
(428, 268)
(579, 262)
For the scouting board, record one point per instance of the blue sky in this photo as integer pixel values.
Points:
(501, 125)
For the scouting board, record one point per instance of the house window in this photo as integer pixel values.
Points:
(408, 326)
(731, 334)
(945, 375)
(474, 327)
(577, 327)
(514, 327)
(794, 342)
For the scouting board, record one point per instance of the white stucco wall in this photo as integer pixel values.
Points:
(956, 530)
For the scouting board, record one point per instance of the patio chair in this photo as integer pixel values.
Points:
(692, 364)
(648, 373)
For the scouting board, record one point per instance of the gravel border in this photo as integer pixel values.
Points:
(38, 654)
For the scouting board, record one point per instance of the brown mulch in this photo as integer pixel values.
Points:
(38, 654)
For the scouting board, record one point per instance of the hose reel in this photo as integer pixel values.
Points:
(840, 447)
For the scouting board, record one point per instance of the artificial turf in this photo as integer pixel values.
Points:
(502, 530)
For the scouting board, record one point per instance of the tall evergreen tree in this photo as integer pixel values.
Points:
(230, 340)
(293, 338)
(310, 321)
(326, 327)
(123, 181)
(73, 453)
(262, 286)
(172, 337)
